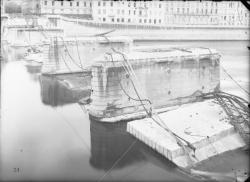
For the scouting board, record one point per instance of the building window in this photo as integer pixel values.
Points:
(70, 3)
(122, 20)
(99, 3)
(84, 3)
(111, 3)
(129, 4)
(45, 3)
(154, 21)
(159, 20)
(159, 5)
(149, 20)
(53, 3)
(123, 11)
(139, 20)
(112, 19)
(134, 12)
(118, 20)
(104, 3)
(90, 4)
(140, 12)
(129, 20)
(61, 3)
(134, 4)
(104, 19)
(129, 12)
(145, 20)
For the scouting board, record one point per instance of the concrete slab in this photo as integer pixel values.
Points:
(203, 124)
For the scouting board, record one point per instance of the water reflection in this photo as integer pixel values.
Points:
(33, 67)
(113, 148)
(109, 141)
(56, 92)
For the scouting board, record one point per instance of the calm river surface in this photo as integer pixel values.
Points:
(45, 142)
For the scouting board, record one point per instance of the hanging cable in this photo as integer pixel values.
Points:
(78, 53)
(144, 100)
(66, 48)
(149, 114)
(118, 160)
(66, 63)
(228, 73)
(74, 130)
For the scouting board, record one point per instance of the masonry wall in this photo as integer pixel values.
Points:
(165, 83)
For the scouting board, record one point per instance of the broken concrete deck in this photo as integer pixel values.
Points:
(203, 124)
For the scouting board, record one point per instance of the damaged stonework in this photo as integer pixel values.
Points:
(167, 77)
(203, 124)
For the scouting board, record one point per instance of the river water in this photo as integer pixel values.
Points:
(41, 141)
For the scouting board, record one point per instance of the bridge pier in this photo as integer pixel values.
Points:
(167, 78)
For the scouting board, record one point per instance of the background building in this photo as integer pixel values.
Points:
(233, 13)
(171, 13)
(191, 13)
(66, 7)
(129, 12)
(146, 13)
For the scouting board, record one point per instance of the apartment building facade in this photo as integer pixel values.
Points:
(129, 12)
(72, 7)
(154, 13)
(171, 13)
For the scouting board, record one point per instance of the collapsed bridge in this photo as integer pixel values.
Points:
(124, 88)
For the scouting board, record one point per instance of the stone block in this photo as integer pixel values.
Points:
(167, 78)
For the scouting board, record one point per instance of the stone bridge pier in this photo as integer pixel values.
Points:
(167, 77)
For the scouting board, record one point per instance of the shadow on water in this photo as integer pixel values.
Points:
(33, 68)
(56, 92)
(109, 141)
(113, 148)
